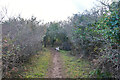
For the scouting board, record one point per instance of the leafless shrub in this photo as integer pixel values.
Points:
(21, 39)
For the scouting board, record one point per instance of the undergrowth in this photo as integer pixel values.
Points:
(75, 68)
(38, 65)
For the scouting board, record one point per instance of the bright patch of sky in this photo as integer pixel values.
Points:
(47, 10)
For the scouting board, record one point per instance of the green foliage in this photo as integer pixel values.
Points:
(96, 35)
(85, 35)
(91, 33)
(98, 74)
(55, 34)
(109, 26)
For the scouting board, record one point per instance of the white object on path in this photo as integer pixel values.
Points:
(57, 48)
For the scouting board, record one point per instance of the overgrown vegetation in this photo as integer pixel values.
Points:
(75, 67)
(56, 36)
(38, 65)
(93, 35)
(21, 38)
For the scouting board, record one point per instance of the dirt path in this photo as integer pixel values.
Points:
(56, 69)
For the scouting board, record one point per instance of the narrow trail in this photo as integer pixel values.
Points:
(56, 69)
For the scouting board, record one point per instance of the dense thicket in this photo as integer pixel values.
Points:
(94, 35)
(56, 36)
(21, 38)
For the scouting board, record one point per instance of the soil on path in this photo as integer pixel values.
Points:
(56, 67)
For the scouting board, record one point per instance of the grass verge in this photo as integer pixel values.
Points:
(37, 65)
(75, 68)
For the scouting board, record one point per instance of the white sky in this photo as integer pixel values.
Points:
(47, 10)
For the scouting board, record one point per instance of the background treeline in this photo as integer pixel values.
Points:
(93, 35)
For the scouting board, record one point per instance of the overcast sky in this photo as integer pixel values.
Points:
(47, 10)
